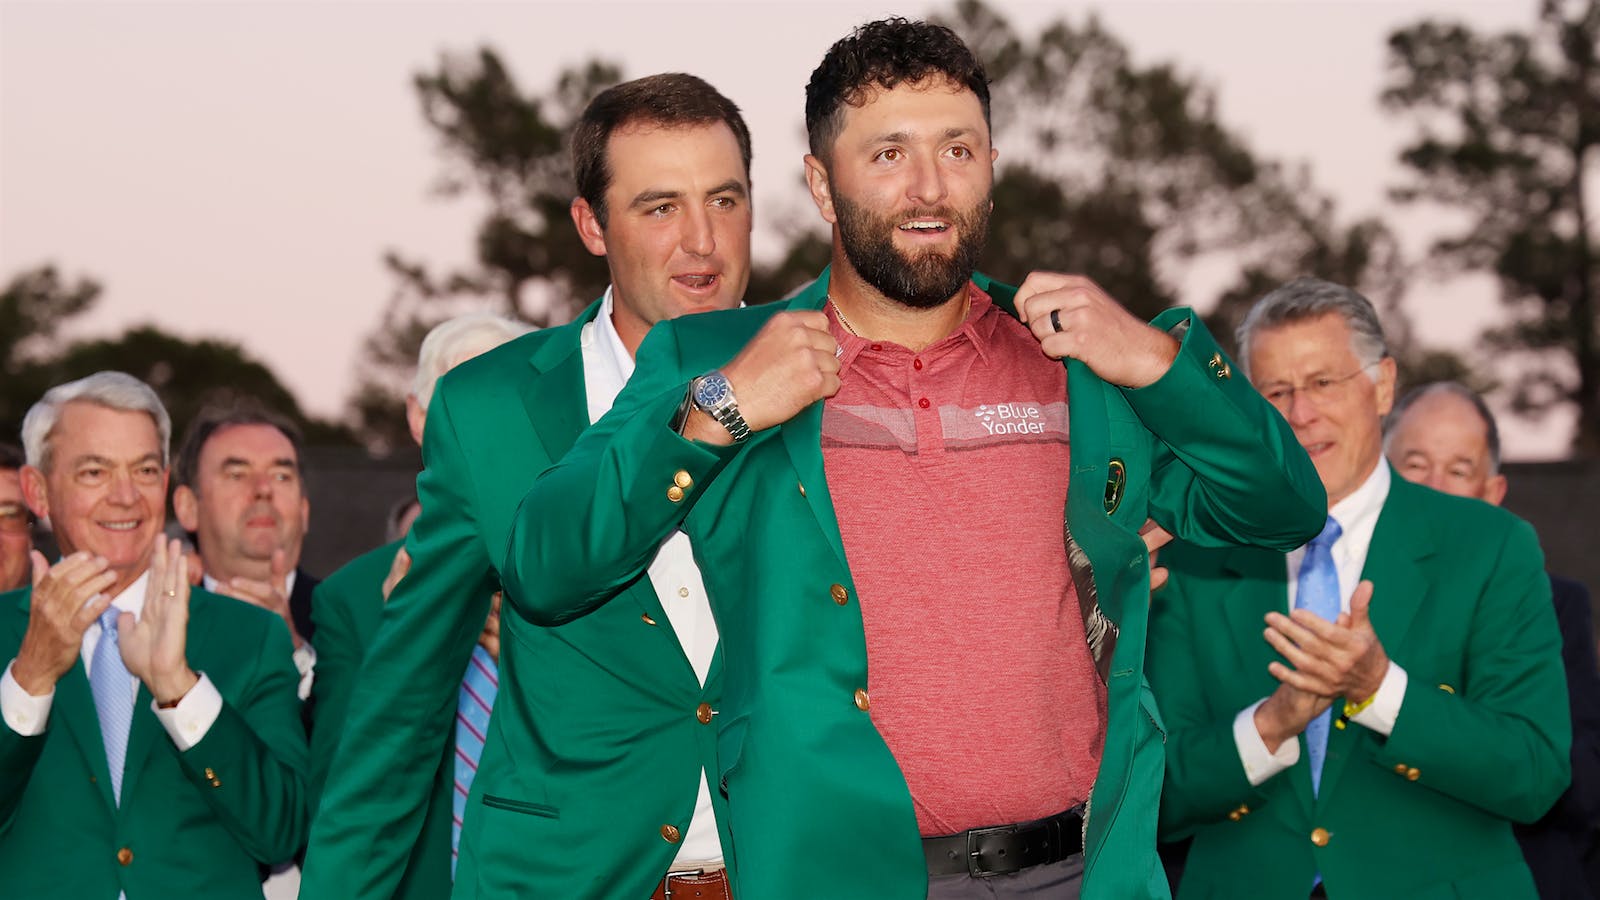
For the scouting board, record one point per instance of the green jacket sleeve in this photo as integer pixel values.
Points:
(17, 757)
(1501, 740)
(614, 491)
(250, 767)
(401, 708)
(339, 651)
(1228, 469)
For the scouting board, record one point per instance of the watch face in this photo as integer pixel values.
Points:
(710, 390)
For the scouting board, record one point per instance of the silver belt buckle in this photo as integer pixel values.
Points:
(666, 883)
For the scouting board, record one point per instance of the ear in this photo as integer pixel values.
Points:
(1385, 382)
(821, 189)
(186, 506)
(1494, 490)
(589, 230)
(416, 417)
(34, 493)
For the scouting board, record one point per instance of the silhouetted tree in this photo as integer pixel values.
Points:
(1506, 133)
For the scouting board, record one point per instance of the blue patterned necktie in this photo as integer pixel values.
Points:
(478, 688)
(112, 686)
(1317, 589)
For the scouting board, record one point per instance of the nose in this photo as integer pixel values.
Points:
(1301, 410)
(698, 237)
(927, 186)
(1438, 481)
(123, 492)
(263, 485)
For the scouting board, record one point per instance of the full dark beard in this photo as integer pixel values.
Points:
(922, 281)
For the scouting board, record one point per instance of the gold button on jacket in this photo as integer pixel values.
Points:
(124, 856)
(840, 594)
(674, 493)
(863, 702)
(703, 713)
(1320, 836)
(670, 834)
(682, 479)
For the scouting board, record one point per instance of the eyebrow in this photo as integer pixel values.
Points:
(645, 198)
(101, 460)
(282, 461)
(901, 137)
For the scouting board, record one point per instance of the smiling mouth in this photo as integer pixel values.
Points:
(1317, 448)
(121, 526)
(925, 226)
(697, 282)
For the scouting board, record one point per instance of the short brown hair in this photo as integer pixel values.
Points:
(212, 419)
(670, 99)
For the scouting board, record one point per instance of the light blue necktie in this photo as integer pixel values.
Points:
(112, 685)
(478, 688)
(1317, 589)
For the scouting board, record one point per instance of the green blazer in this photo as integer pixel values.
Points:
(194, 824)
(810, 782)
(347, 609)
(1461, 602)
(594, 749)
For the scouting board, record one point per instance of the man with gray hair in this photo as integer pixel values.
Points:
(1443, 435)
(110, 648)
(348, 608)
(1407, 703)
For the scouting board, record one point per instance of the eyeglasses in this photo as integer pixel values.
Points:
(15, 518)
(1320, 391)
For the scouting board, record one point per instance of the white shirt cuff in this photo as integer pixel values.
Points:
(24, 713)
(1381, 713)
(1260, 763)
(305, 662)
(189, 721)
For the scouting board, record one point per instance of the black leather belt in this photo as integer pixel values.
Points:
(1006, 848)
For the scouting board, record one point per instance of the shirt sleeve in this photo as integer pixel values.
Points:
(189, 721)
(1259, 762)
(1381, 714)
(24, 713)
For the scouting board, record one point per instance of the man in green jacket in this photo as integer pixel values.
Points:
(152, 744)
(348, 608)
(929, 691)
(1408, 701)
(617, 705)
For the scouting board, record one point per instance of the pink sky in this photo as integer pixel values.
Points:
(237, 170)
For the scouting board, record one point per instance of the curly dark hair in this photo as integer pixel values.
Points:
(883, 55)
(671, 99)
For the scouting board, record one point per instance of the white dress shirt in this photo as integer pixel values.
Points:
(187, 723)
(305, 655)
(1357, 516)
(607, 366)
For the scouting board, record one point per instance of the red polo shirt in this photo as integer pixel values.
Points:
(948, 473)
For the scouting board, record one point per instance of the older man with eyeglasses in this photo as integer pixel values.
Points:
(16, 522)
(1408, 702)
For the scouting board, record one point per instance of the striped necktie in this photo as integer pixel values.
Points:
(112, 686)
(478, 689)
(1317, 589)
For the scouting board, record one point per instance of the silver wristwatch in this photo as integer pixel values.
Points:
(713, 395)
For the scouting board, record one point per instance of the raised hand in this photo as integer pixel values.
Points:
(153, 648)
(1155, 537)
(1072, 317)
(397, 570)
(1343, 658)
(489, 638)
(66, 598)
(272, 594)
(1286, 713)
(791, 363)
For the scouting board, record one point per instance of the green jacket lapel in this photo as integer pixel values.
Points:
(556, 399)
(74, 705)
(802, 436)
(146, 730)
(1402, 543)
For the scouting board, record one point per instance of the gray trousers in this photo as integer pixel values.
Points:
(1053, 881)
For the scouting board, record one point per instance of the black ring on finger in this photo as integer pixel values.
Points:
(1055, 319)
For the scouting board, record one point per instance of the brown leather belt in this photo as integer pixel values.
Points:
(694, 884)
(1006, 848)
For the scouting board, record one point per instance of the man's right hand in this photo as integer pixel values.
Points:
(67, 597)
(1282, 716)
(791, 363)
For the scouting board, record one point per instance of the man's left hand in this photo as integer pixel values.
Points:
(1091, 327)
(489, 638)
(153, 648)
(1343, 658)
